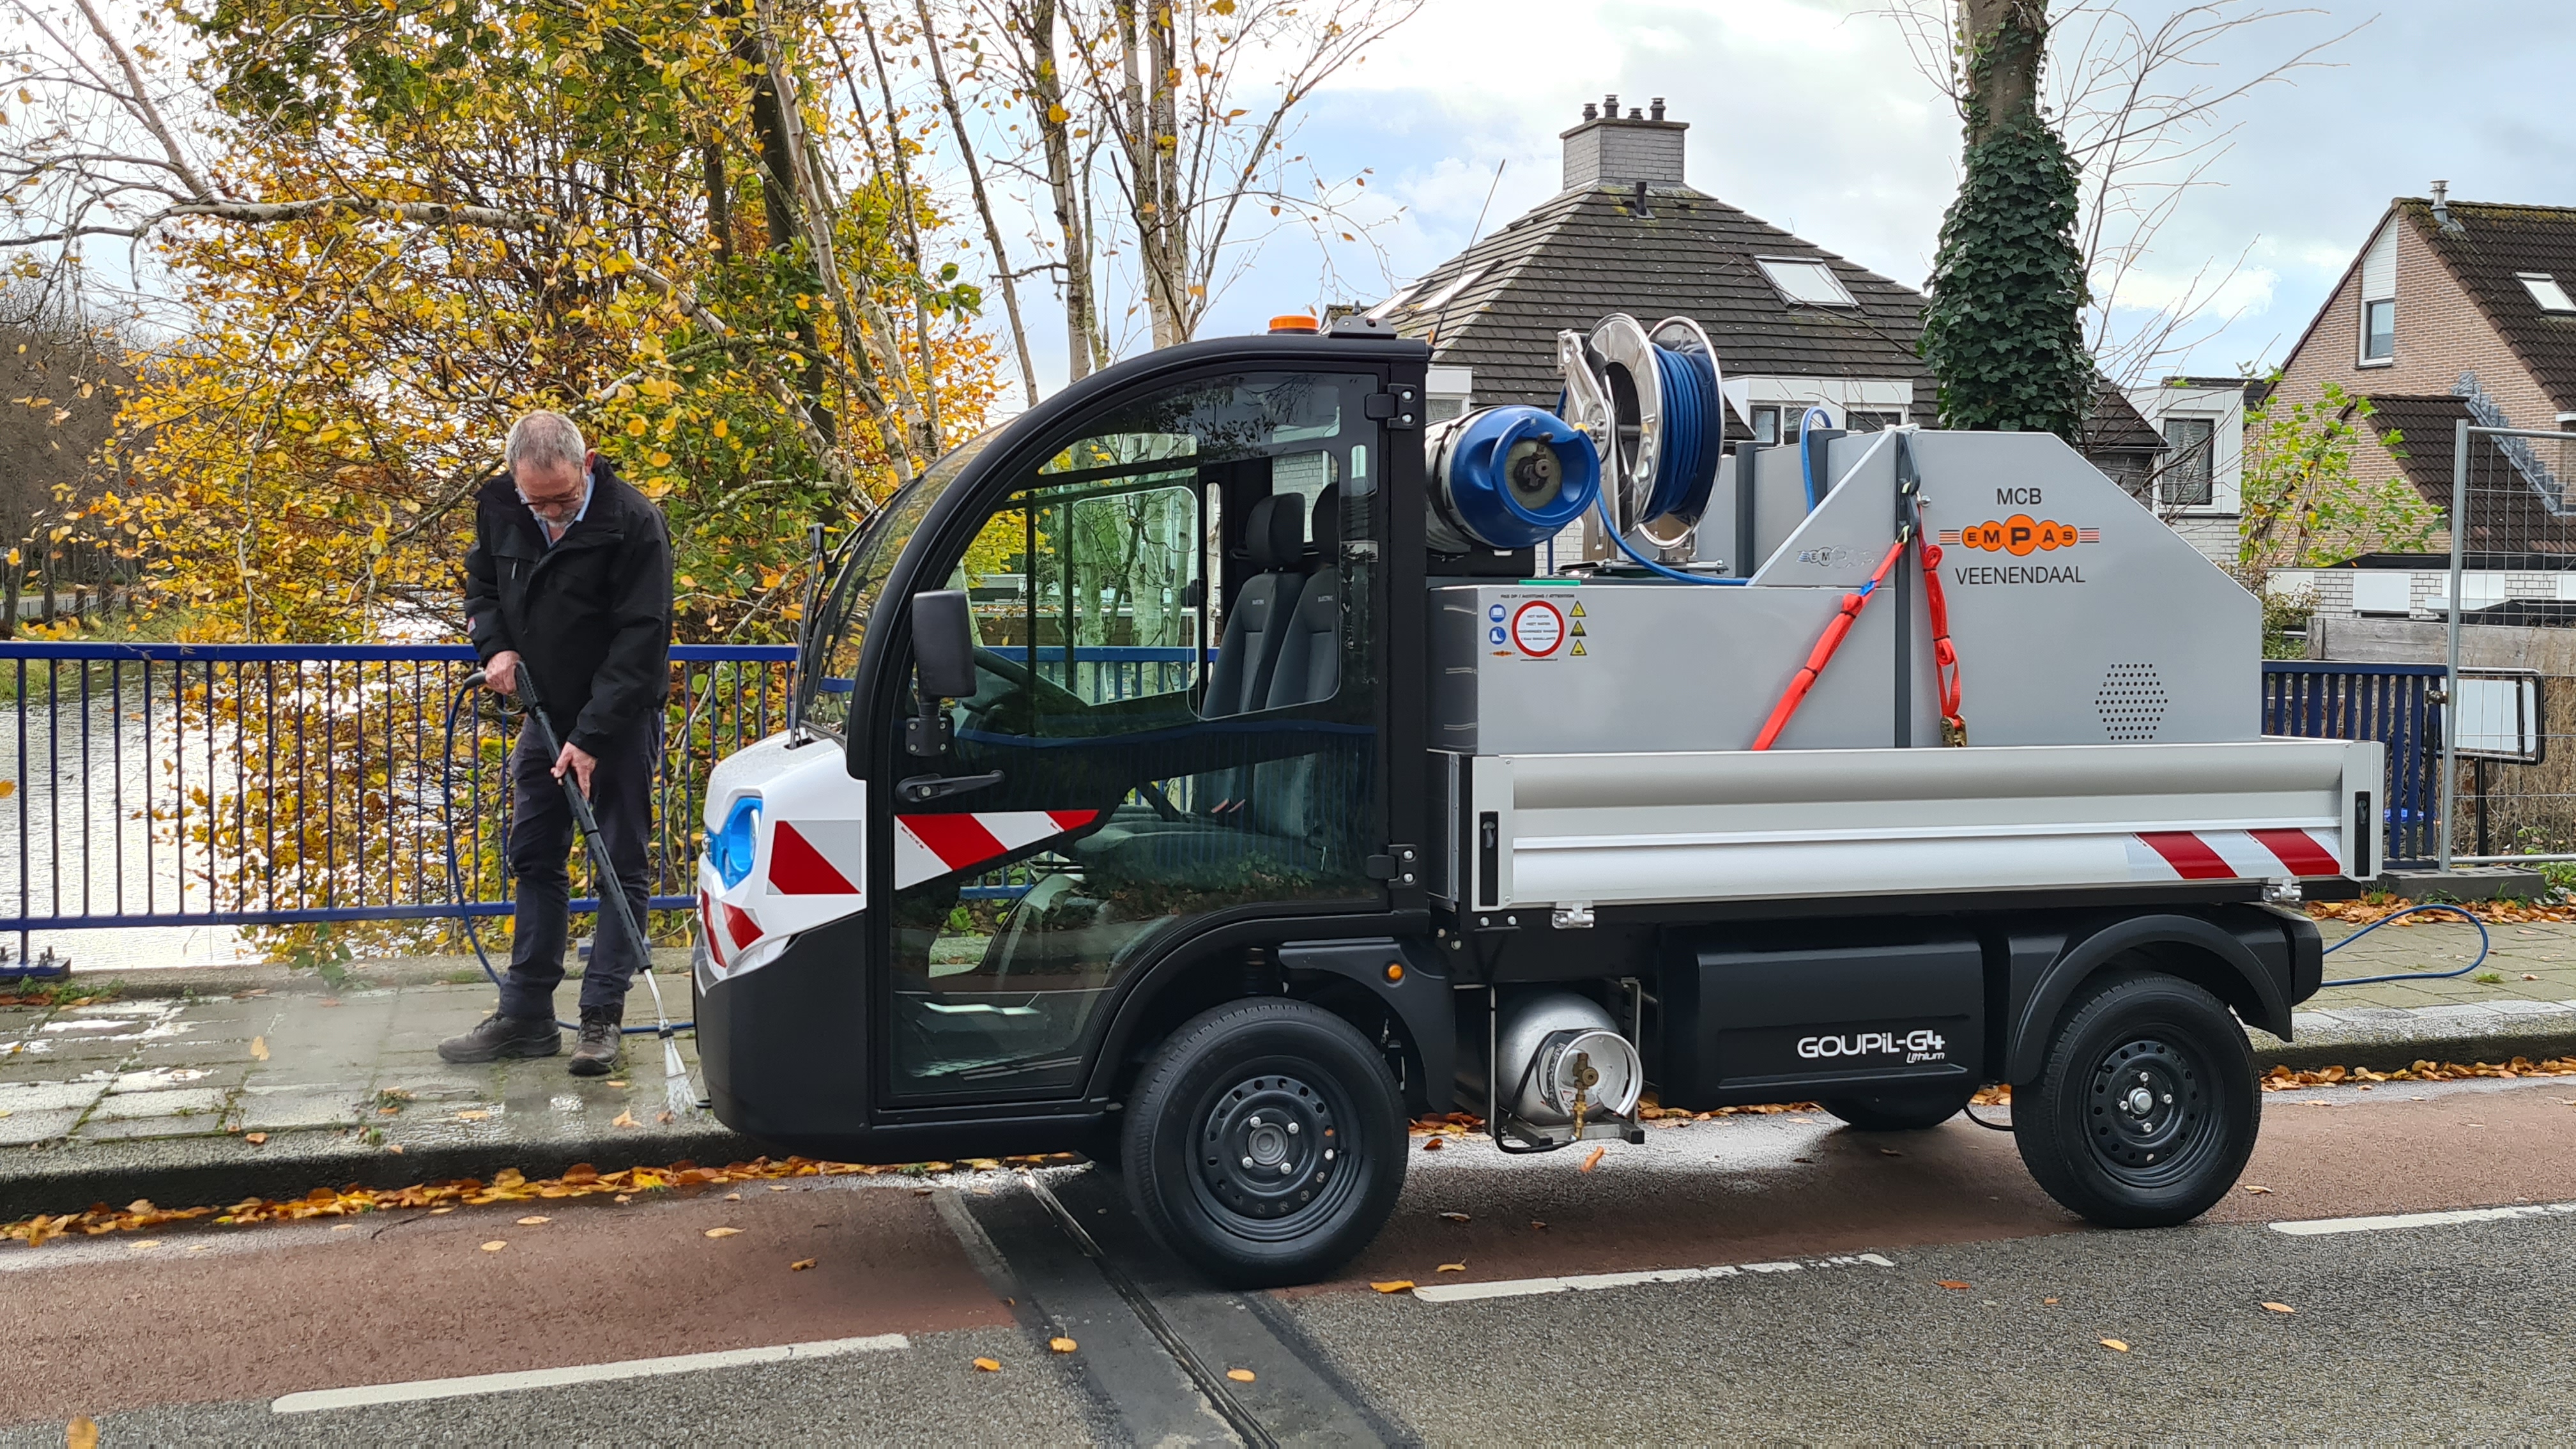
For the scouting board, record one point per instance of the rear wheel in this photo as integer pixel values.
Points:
(1903, 1110)
(1265, 1143)
(2146, 1108)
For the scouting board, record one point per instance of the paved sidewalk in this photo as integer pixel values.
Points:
(160, 1092)
(275, 1089)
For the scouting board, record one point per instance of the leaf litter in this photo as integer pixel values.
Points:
(508, 1185)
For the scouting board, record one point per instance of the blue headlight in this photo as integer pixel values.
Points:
(735, 848)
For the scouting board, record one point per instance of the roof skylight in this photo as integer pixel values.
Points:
(1811, 283)
(1449, 293)
(2544, 289)
(1386, 309)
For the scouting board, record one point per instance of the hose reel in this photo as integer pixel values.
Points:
(1651, 400)
(1507, 478)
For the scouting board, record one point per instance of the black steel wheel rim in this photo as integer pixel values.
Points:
(2151, 1114)
(1271, 1154)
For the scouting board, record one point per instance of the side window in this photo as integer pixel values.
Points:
(1176, 706)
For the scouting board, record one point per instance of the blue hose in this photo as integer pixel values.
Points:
(2463, 914)
(456, 869)
(1686, 464)
(1811, 457)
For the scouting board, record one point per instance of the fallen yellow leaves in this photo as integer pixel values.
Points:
(1062, 1345)
(507, 1186)
(1450, 1268)
(255, 1139)
(2114, 1344)
(1594, 1160)
(988, 1365)
(624, 1119)
(259, 1048)
(2363, 912)
(1240, 1376)
(801, 1264)
(1455, 1217)
(2280, 1307)
(2249, 1187)
(723, 1232)
(1394, 1285)
(2285, 1079)
(495, 1245)
(1432, 1144)
(534, 1222)
(81, 1433)
(1950, 1283)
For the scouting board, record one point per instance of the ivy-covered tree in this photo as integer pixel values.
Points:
(2004, 329)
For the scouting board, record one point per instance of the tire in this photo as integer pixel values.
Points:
(1902, 1109)
(2146, 1107)
(1315, 1193)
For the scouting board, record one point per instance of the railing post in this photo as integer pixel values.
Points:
(2451, 632)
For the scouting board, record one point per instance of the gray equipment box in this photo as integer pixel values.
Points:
(2079, 618)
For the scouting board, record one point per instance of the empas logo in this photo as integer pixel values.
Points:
(1828, 555)
(1919, 1045)
(2021, 535)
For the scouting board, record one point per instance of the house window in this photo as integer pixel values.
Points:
(2379, 299)
(1449, 293)
(2545, 291)
(2379, 330)
(1811, 284)
(2189, 469)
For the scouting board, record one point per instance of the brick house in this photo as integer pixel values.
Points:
(1794, 325)
(2457, 310)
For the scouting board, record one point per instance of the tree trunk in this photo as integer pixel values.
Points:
(2004, 41)
(770, 133)
(50, 607)
(719, 205)
(1055, 133)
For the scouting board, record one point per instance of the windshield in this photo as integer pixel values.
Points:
(828, 672)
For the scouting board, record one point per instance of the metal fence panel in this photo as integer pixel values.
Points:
(2394, 704)
(278, 785)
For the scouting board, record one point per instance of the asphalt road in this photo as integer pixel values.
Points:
(1811, 1304)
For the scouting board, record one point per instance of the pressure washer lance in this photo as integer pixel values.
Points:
(678, 1088)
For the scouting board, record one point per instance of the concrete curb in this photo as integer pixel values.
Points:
(200, 1171)
(2385, 1038)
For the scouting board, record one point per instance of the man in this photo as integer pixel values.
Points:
(568, 587)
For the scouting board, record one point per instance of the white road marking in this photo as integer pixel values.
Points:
(2318, 1227)
(1585, 1283)
(634, 1368)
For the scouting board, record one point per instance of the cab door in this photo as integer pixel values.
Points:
(1178, 718)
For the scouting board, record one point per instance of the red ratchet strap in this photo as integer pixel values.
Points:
(1945, 655)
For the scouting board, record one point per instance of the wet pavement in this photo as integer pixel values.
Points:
(1775, 1278)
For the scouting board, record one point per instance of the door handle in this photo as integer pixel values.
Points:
(923, 788)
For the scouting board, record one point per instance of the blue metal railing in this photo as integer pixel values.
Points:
(2392, 703)
(270, 785)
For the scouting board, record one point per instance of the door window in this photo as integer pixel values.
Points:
(1177, 687)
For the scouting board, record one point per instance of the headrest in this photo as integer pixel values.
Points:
(1274, 533)
(1328, 526)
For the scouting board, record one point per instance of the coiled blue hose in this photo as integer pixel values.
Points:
(1687, 462)
(2411, 975)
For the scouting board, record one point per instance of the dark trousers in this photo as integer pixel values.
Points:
(541, 838)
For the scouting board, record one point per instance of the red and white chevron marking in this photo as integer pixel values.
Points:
(2232, 854)
(926, 846)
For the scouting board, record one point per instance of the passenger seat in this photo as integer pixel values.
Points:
(1274, 537)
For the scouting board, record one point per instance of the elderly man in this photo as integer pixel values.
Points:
(568, 588)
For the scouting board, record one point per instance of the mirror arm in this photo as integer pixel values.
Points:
(928, 733)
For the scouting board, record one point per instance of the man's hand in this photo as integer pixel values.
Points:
(501, 676)
(581, 762)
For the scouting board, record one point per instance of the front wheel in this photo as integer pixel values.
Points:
(2146, 1108)
(1265, 1143)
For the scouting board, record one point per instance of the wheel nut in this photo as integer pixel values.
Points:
(1292, 1129)
(1247, 1162)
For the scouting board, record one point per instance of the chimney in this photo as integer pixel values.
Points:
(1623, 150)
(2442, 209)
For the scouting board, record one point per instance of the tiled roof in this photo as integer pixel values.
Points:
(2494, 243)
(2506, 512)
(2117, 426)
(1589, 253)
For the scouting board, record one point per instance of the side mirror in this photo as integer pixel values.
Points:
(943, 652)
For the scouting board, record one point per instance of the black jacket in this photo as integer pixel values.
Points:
(590, 617)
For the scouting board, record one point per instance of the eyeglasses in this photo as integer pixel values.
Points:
(550, 500)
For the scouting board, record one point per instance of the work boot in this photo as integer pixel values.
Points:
(504, 1036)
(595, 1055)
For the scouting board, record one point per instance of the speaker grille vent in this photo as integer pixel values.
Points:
(2132, 701)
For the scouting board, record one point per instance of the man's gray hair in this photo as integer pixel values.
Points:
(546, 441)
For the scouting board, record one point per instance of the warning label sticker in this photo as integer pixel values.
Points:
(1538, 628)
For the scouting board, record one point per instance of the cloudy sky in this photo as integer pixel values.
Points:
(1810, 114)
